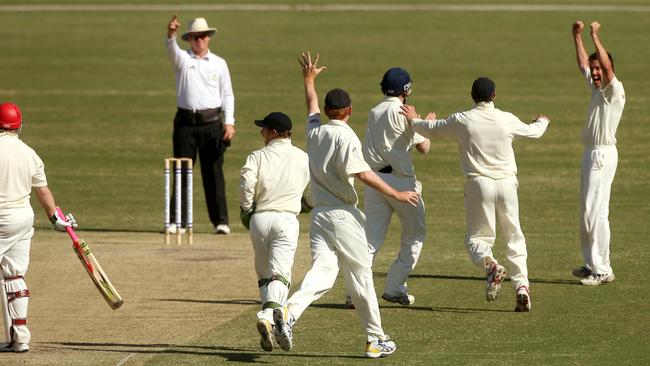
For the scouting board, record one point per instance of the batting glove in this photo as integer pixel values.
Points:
(60, 224)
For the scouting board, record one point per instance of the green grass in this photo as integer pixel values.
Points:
(97, 93)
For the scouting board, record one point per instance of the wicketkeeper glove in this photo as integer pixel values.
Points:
(245, 216)
(60, 224)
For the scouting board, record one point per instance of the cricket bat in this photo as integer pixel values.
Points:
(95, 271)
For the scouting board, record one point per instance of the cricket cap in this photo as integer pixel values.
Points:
(337, 99)
(10, 116)
(395, 82)
(277, 121)
(482, 89)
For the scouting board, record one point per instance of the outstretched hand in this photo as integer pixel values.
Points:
(578, 26)
(310, 69)
(542, 116)
(595, 27)
(173, 26)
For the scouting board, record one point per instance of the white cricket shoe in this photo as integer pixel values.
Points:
(496, 274)
(16, 347)
(379, 348)
(222, 229)
(283, 331)
(523, 299)
(403, 299)
(581, 272)
(265, 329)
(598, 279)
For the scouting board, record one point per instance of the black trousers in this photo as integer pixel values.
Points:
(205, 138)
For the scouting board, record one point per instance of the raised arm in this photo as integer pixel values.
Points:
(603, 57)
(581, 53)
(172, 27)
(310, 71)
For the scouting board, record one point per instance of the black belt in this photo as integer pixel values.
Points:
(199, 117)
(387, 169)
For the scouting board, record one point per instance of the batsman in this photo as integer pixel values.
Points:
(22, 170)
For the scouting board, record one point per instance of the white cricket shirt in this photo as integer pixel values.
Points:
(390, 138)
(274, 177)
(485, 135)
(202, 83)
(20, 170)
(334, 157)
(605, 111)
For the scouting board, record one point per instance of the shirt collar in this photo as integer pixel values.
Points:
(485, 105)
(392, 99)
(279, 142)
(337, 122)
(206, 57)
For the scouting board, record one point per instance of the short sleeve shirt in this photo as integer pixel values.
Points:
(21, 169)
(605, 111)
(274, 177)
(334, 157)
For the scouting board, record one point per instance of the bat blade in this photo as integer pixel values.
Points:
(93, 268)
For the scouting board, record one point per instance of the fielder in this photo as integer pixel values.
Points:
(387, 150)
(22, 169)
(271, 188)
(337, 233)
(600, 156)
(485, 135)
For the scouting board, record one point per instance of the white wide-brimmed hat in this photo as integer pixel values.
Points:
(198, 25)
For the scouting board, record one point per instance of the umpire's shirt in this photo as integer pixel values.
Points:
(202, 82)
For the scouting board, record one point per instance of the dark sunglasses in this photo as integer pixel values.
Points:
(199, 36)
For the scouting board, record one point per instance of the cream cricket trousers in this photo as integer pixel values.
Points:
(378, 209)
(338, 241)
(488, 201)
(16, 231)
(274, 236)
(598, 170)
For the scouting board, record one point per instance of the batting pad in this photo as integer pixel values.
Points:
(17, 299)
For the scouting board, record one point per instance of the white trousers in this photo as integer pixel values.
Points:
(338, 241)
(16, 231)
(274, 236)
(488, 201)
(598, 170)
(378, 209)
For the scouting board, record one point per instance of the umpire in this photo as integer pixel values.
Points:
(204, 119)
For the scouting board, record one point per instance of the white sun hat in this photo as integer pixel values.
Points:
(198, 25)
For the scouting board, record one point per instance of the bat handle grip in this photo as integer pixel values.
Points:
(69, 229)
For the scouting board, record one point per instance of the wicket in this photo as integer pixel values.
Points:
(179, 164)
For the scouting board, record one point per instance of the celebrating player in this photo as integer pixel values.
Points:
(337, 226)
(271, 187)
(387, 149)
(204, 119)
(600, 156)
(22, 169)
(485, 135)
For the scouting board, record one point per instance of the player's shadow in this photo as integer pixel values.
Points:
(223, 302)
(476, 278)
(415, 308)
(228, 353)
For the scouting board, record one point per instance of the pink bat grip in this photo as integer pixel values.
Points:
(69, 229)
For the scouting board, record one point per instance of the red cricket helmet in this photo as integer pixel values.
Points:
(10, 116)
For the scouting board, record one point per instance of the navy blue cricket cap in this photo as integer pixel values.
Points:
(277, 121)
(482, 88)
(337, 99)
(395, 81)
